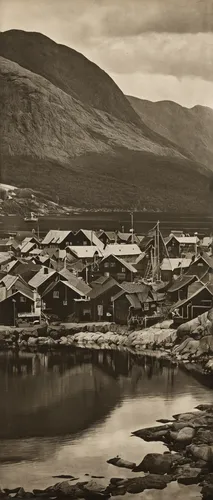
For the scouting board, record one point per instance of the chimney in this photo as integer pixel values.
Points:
(46, 270)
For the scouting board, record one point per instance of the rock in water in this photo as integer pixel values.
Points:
(119, 462)
(156, 463)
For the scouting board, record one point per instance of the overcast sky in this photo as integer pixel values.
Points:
(153, 49)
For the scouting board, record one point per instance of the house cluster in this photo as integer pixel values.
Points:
(105, 275)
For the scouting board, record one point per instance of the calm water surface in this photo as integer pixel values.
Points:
(70, 413)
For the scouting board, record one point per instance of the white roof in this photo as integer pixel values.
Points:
(55, 236)
(186, 240)
(122, 250)
(207, 241)
(40, 277)
(84, 251)
(172, 264)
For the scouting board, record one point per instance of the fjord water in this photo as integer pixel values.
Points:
(68, 413)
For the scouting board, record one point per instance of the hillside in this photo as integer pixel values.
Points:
(88, 147)
(192, 129)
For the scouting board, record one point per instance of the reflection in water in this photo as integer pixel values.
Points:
(68, 413)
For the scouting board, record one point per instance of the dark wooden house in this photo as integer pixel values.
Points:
(134, 299)
(59, 298)
(117, 268)
(103, 289)
(199, 300)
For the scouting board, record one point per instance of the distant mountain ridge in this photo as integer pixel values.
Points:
(68, 129)
(190, 128)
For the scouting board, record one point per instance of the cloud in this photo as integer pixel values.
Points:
(130, 38)
(134, 17)
(158, 87)
(161, 53)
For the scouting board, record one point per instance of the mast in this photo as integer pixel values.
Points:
(158, 250)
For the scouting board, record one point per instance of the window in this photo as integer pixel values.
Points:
(22, 299)
(112, 264)
(56, 294)
(106, 264)
(146, 307)
(123, 270)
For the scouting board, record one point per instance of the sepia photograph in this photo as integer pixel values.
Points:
(106, 249)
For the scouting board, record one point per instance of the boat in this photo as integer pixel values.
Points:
(32, 218)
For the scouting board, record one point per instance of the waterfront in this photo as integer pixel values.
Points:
(69, 414)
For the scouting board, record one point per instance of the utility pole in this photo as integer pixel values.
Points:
(132, 226)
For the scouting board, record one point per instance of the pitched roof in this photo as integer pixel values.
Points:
(5, 257)
(122, 250)
(100, 289)
(181, 282)
(92, 237)
(206, 241)
(207, 258)
(199, 286)
(123, 262)
(77, 283)
(28, 294)
(172, 264)
(40, 277)
(184, 240)
(27, 247)
(55, 237)
(84, 251)
(67, 284)
(134, 301)
(8, 280)
(36, 251)
(130, 287)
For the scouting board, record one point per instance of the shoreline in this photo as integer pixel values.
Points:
(159, 340)
(188, 460)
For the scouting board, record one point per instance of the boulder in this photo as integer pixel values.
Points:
(204, 436)
(188, 475)
(95, 490)
(149, 482)
(119, 462)
(159, 433)
(183, 436)
(65, 488)
(202, 452)
(155, 463)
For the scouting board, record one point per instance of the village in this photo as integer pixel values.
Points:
(90, 276)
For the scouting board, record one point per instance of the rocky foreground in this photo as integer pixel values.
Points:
(191, 343)
(189, 461)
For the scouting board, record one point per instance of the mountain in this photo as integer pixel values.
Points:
(67, 129)
(192, 129)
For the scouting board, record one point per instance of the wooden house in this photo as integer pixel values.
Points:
(117, 268)
(171, 267)
(199, 300)
(59, 298)
(179, 288)
(86, 237)
(103, 289)
(178, 246)
(134, 299)
(201, 265)
(18, 304)
(57, 239)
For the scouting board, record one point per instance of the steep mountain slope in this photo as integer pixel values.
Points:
(68, 70)
(90, 148)
(192, 129)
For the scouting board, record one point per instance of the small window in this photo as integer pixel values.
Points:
(106, 264)
(123, 270)
(56, 294)
(113, 264)
(22, 299)
(146, 307)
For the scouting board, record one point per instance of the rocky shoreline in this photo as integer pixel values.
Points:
(189, 461)
(191, 344)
